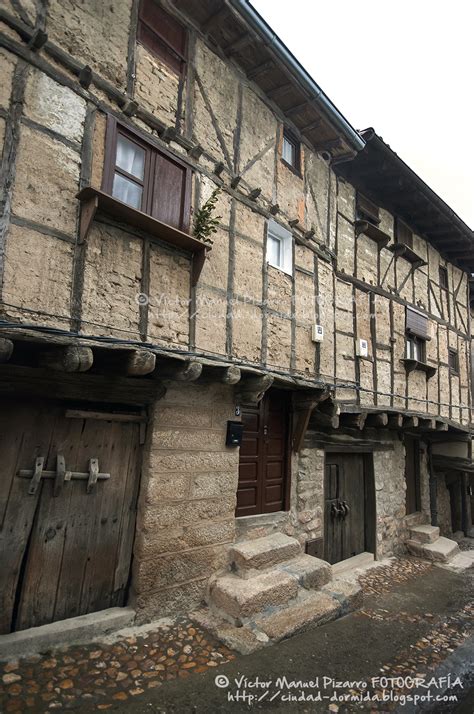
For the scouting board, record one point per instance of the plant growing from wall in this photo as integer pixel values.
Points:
(205, 223)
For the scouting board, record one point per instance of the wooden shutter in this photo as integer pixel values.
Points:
(416, 323)
(170, 197)
(367, 209)
(162, 34)
(403, 233)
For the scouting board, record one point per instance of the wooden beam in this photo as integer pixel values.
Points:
(282, 89)
(296, 109)
(250, 390)
(74, 358)
(43, 383)
(410, 422)
(260, 69)
(324, 420)
(429, 423)
(183, 371)
(6, 349)
(227, 374)
(311, 127)
(140, 362)
(441, 426)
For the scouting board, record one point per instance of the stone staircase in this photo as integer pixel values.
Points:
(272, 591)
(426, 542)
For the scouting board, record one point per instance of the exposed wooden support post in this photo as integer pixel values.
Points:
(303, 406)
(186, 371)
(410, 422)
(251, 389)
(140, 362)
(377, 420)
(6, 349)
(395, 421)
(74, 358)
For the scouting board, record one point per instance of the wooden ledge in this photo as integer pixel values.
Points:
(93, 200)
(400, 249)
(412, 364)
(372, 231)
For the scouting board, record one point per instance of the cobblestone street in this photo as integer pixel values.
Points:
(136, 672)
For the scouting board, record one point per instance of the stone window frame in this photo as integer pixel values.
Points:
(163, 35)
(153, 151)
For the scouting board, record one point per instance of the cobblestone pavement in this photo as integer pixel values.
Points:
(120, 674)
(100, 676)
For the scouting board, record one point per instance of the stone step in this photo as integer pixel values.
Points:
(349, 565)
(311, 573)
(424, 534)
(416, 519)
(441, 551)
(264, 552)
(310, 609)
(241, 599)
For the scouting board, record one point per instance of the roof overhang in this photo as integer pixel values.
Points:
(243, 36)
(378, 172)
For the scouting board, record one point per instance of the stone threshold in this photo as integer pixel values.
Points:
(75, 630)
(348, 566)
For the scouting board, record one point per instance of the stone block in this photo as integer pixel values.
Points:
(47, 180)
(54, 106)
(442, 550)
(311, 573)
(264, 552)
(315, 609)
(176, 568)
(243, 598)
(424, 534)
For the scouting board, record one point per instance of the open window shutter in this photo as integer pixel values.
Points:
(403, 233)
(416, 324)
(169, 193)
(367, 209)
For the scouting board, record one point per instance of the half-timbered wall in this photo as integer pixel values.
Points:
(243, 308)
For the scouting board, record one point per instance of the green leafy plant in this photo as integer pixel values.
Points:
(205, 224)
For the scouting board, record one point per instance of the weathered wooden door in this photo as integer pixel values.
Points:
(66, 540)
(263, 467)
(348, 507)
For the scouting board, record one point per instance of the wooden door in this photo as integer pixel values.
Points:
(263, 467)
(348, 507)
(65, 550)
(412, 475)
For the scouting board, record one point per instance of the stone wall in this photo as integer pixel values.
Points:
(187, 501)
(390, 490)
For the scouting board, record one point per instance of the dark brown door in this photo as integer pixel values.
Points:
(412, 475)
(263, 467)
(65, 548)
(349, 513)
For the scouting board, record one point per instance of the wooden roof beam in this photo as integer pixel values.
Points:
(260, 69)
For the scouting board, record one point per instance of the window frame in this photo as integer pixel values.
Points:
(413, 342)
(159, 45)
(443, 283)
(152, 150)
(276, 230)
(367, 210)
(453, 354)
(290, 138)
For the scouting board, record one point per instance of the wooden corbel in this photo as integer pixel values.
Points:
(303, 406)
(73, 358)
(6, 349)
(250, 390)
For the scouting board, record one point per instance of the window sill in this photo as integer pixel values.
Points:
(372, 231)
(412, 364)
(408, 253)
(93, 200)
(291, 168)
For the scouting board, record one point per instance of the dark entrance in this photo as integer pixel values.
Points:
(350, 506)
(412, 475)
(68, 493)
(263, 467)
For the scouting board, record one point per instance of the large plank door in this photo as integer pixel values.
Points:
(263, 467)
(348, 510)
(66, 549)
